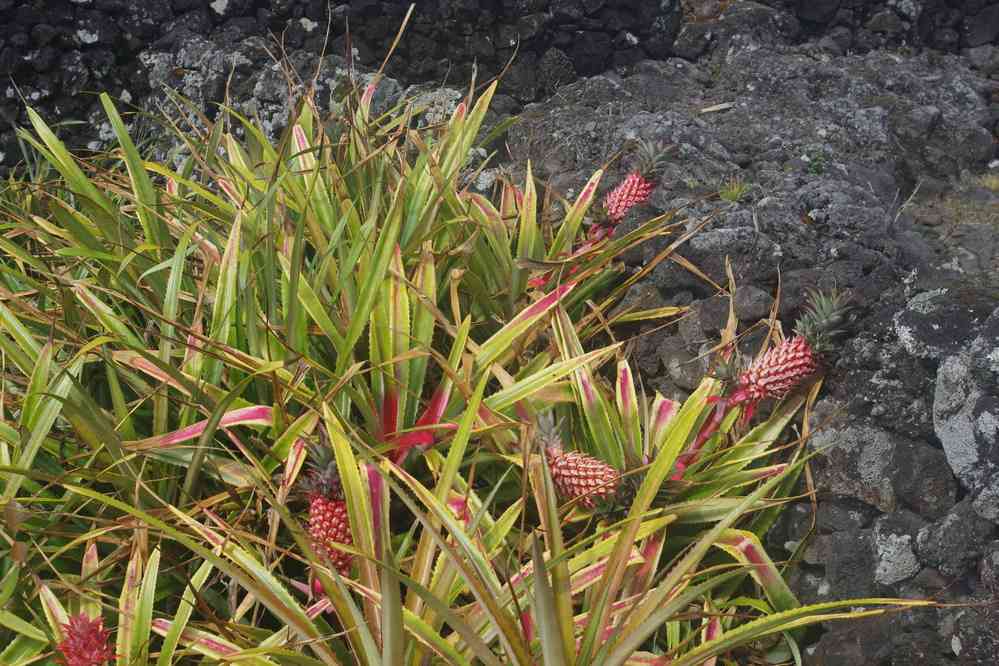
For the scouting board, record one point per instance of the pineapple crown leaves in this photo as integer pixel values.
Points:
(322, 478)
(650, 156)
(821, 322)
(549, 431)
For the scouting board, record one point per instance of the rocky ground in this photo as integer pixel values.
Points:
(875, 173)
(849, 155)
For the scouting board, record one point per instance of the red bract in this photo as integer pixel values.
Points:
(459, 505)
(538, 281)
(597, 233)
(423, 438)
(85, 643)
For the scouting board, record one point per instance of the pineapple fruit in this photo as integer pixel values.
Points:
(85, 642)
(635, 189)
(582, 478)
(578, 477)
(783, 367)
(637, 186)
(779, 370)
(329, 524)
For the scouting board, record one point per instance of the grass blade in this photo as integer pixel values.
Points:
(144, 610)
(171, 638)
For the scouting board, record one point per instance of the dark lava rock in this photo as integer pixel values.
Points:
(685, 368)
(818, 11)
(850, 560)
(225, 9)
(981, 28)
(954, 543)
(522, 78)
(886, 21)
(445, 40)
(851, 644)
(843, 514)
(877, 379)
(966, 417)
(975, 635)
(922, 479)
(988, 569)
(854, 461)
(895, 537)
(752, 304)
(934, 324)
(590, 52)
(555, 70)
(984, 58)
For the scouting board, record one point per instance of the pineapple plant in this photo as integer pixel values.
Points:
(452, 575)
(329, 523)
(635, 189)
(776, 373)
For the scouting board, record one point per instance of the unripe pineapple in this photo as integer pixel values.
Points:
(329, 523)
(635, 189)
(637, 186)
(578, 477)
(779, 370)
(582, 478)
(785, 366)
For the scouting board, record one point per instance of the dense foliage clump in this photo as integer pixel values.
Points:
(321, 402)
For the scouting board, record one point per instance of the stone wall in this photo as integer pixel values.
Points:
(55, 54)
(947, 25)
